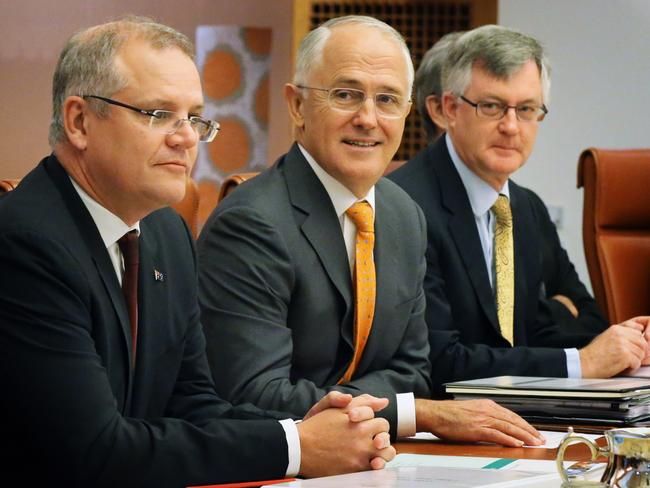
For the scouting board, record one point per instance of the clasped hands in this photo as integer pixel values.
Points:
(340, 434)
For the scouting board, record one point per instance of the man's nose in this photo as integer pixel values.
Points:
(366, 116)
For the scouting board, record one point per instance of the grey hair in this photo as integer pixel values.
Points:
(428, 79)
(310, 52)
(500, 51)
(86, 64)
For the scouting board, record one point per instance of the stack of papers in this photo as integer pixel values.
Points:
(614, 401)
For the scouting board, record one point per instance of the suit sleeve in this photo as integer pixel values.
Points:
(64, 416)
(561, 278)
(452, 360)
(246, 280)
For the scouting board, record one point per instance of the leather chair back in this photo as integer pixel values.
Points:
(232, 182)
(8, 185)
(616, 229)
(188, 207)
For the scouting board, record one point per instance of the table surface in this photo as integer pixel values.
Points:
(577, 452)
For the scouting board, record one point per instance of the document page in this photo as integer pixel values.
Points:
(428, 476)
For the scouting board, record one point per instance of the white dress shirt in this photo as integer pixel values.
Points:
(481, 198)
(111, 228)
(342, 199)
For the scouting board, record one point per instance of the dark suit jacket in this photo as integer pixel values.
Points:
(460, 301)
(559, 277)
(277, 300)
(73, 412)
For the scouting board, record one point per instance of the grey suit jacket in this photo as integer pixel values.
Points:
(277, 301)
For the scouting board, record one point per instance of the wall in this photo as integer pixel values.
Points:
(600, 93)
(33, 33)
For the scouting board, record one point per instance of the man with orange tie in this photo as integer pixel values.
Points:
(310, 274)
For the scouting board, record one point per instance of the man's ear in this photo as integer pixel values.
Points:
(434, 109)
(75, 121)
(295, 103)
(449, 108)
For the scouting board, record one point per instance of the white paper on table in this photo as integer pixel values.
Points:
(428, 476)
(475, 462)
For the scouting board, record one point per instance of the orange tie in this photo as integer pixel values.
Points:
(364, 281)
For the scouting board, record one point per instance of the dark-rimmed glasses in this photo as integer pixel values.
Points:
(387, 105)
(497, 110)
(168, 122)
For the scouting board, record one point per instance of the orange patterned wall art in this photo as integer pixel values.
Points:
(234, 63)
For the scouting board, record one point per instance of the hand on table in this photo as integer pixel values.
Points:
(475, 420)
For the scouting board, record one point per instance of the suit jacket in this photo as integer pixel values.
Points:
(559, 277)
(277, 300)
(461, 310)
(73, 409)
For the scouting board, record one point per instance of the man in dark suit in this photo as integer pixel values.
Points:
(282, 270)
(104, 386)
(567, 298)
(484, 274)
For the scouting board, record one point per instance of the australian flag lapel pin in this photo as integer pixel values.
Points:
(158, 276)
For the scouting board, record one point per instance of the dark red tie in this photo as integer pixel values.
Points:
(129, 246)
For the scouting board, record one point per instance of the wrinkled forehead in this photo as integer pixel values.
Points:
(362, 53)
(158, 72)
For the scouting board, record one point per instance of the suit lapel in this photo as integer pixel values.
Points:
(320, 226)
(152, 292)
(462, 226)
(95, 245)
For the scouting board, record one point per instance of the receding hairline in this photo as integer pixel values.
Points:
(341, 29)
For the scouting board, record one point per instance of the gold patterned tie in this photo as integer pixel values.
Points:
(364, 281)
(504, 261)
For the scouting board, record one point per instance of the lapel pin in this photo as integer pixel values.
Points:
(158, 276)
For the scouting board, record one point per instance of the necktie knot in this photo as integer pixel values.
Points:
(502, 211)
(362, 215)
(128, 244)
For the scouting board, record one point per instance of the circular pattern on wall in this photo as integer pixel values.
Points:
(231, 150)
(257, 40)
(261, 101)
(222, 74)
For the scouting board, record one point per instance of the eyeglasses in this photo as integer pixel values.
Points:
(497, 110)
(168, 122)
(387, 105)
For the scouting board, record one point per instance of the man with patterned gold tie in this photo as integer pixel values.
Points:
(483, 282)
(311, 273)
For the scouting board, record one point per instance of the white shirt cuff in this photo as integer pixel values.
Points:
(573, 368)
(405, 414)
(293, 447)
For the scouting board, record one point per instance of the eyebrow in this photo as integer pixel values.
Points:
(501, 100)
(160, 104)
(356, 84)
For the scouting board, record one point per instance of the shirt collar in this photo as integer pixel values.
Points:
(481, 195)
(110, 226)
(342, 198)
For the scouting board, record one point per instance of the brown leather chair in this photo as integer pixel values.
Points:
(188, 207)
(232, 182)
(616, 229)
(8, 185)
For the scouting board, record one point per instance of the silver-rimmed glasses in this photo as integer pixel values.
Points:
(496, 110)
(168, 122)
(387, 105)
